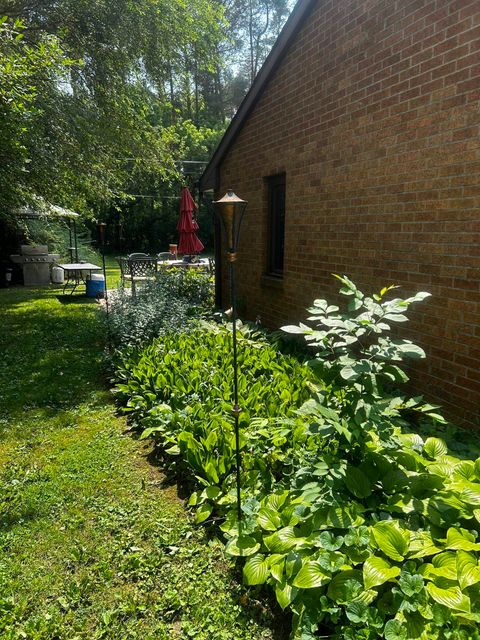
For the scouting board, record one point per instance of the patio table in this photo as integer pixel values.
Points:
(76, 272)
(201, 264)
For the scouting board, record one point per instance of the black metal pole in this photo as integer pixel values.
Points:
(236, 409)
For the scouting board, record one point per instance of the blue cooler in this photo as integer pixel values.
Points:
(95, 285)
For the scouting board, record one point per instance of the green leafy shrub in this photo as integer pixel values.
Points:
(175, 300)
(179, 390)
(362, 527)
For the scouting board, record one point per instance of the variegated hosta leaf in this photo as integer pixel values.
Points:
(343, 518)
(461, 539)
(452, 598)
(469, 492)
(464, 470)
(422, 545)
(311, 575)
(377, 571)
(391, 539)
(275, 500)
(282, 540)
(269, 519)
(442, 469)
(468, 572)
(444, 565)
(412, 440)
(256, 570)
(434, 448)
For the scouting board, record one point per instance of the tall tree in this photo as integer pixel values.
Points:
(107, 119)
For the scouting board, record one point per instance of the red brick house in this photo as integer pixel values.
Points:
(358, 151)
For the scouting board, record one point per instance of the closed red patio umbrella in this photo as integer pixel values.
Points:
(188, 242)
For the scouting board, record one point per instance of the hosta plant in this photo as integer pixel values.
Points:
(363, 526)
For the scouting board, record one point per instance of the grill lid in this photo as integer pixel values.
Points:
(33, 250)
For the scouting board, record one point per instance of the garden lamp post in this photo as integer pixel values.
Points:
(101, 228)
(230, 210)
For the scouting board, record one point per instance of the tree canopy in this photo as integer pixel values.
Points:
(100, 100)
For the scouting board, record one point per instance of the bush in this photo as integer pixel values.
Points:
(362, 527)
(175, 300)
(179, 391)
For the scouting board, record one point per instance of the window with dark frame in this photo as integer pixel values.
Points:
(276, 224)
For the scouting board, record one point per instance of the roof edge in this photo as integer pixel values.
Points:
(210, 177)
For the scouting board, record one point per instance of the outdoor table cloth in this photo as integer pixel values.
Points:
(201, 264)
(74, 273)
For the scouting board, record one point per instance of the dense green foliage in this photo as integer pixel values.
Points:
(178, 389)
(93, 543)
(362, 527)
(101, 103)
(176, 300)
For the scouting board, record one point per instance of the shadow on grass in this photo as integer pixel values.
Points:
(52, 353)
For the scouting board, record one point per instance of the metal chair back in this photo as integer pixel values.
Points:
(142, 267)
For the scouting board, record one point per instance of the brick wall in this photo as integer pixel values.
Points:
(374, 116)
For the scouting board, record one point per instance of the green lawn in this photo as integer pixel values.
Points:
(93, 544)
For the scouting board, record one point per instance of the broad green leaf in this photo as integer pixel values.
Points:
(357, 612)
(282, 540)
(422, 545)
(211, 492)
(255, 570)
(292, 328)
(411, 584)
(465, 470)
(444, 565)
(203, 512)
(285, 594)
(395, 630)
(276, 563)
(469, 492)
(392, 540)
(442, 469)
(416, 629)
(367, 596)
(330, 541)
(311, 575)
(434, 448)
(342, 518)
(269, 519)
(452, 598)
(242, 546)
(461, 539)
(411, 350)
(377, 571)
(345, 586)
(468, 572)
(357, 482)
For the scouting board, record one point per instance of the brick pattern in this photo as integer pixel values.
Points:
(374, 116)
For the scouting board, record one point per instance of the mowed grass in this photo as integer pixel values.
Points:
(92, 542)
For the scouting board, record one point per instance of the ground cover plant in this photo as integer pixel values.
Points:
(93, 543)
(177, 298)
(362, 527)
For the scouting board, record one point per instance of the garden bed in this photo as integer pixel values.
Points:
(362, 527)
